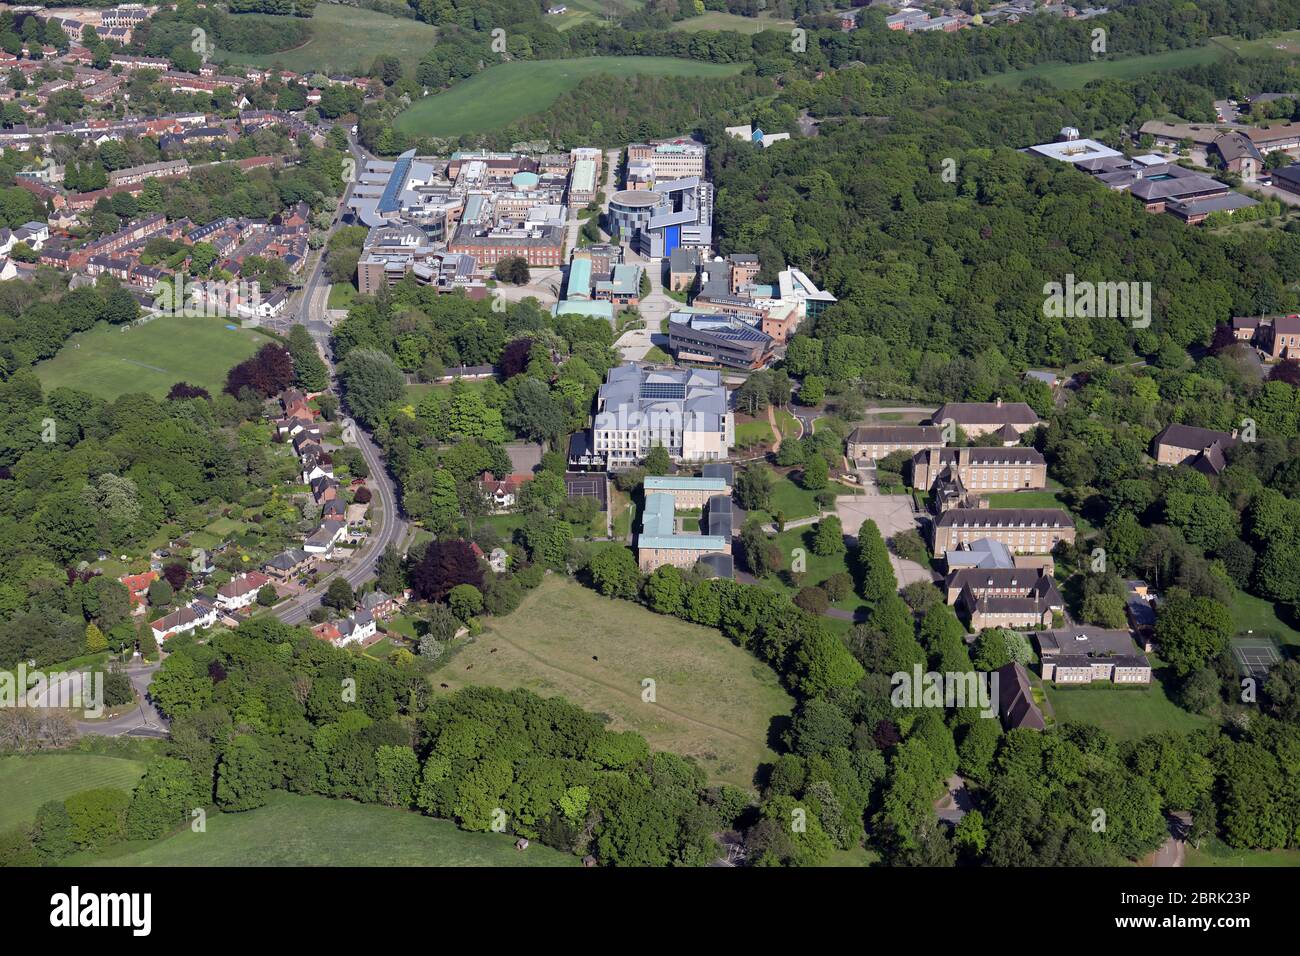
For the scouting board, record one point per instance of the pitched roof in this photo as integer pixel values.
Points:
(1016, 699)
(1193, 437)
(986, 413)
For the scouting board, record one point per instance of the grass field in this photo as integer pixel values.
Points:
(1215, 853)
(294, 830)
(753, 433)
(1251, 613)
(1282, 45)
(347, 40)
(1126, 713)
(818, 568)
(718, 20)
(1073, 76)
(1036, 499)
(714, 702)
(588, 11)
(27, 782)
(151, 357)
(502, 94)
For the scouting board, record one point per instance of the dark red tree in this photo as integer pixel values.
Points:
(1223, 337)
(362, 495)
(176, 575)
(1288, 371)
(267, 373)
(183, 390)
(886, 735)
(514, 357)
(445, 564)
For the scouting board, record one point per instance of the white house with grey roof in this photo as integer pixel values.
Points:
(685, 410)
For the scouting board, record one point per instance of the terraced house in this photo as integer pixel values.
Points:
(1022, 530)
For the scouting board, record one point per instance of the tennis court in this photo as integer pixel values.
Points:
(580, 484)
(1255, 655)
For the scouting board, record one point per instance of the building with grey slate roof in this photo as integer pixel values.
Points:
(687, 411)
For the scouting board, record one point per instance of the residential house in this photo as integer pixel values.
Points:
(504, 493)
(1201, 448)
(288, 564)
(241, 592)
(326, 538)
(186, 619)
(378, 604)
(137, 586)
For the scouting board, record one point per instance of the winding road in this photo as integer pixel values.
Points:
(388, 527)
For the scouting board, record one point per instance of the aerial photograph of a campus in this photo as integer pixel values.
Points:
(656, 434)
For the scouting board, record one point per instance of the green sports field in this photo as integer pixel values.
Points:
(503, 94)
(1282, 45)
(718, 20)
(714, 701)
(347, 40)
(295, 830)
(1073, 76)
(28, 781)
(152, 357)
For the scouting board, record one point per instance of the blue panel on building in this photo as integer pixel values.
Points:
(672, 239)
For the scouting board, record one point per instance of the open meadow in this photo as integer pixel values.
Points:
(505, 93)
(1073, 76)
(298, 830)
(714, 701)
(347, 40)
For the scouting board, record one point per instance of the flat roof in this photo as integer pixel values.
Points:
(1074, 150)
(683, 483)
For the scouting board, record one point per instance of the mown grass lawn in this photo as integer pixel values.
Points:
(346, 39)
(817, 568)
(109, 361)
(1250, 613)
(502, 94)
(1037, 499)
(1127, 713)
(28, 781)
(713, 700)
(753, 433)
(732, 22)
(297, 830)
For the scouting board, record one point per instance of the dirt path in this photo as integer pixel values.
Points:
(776, 432)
